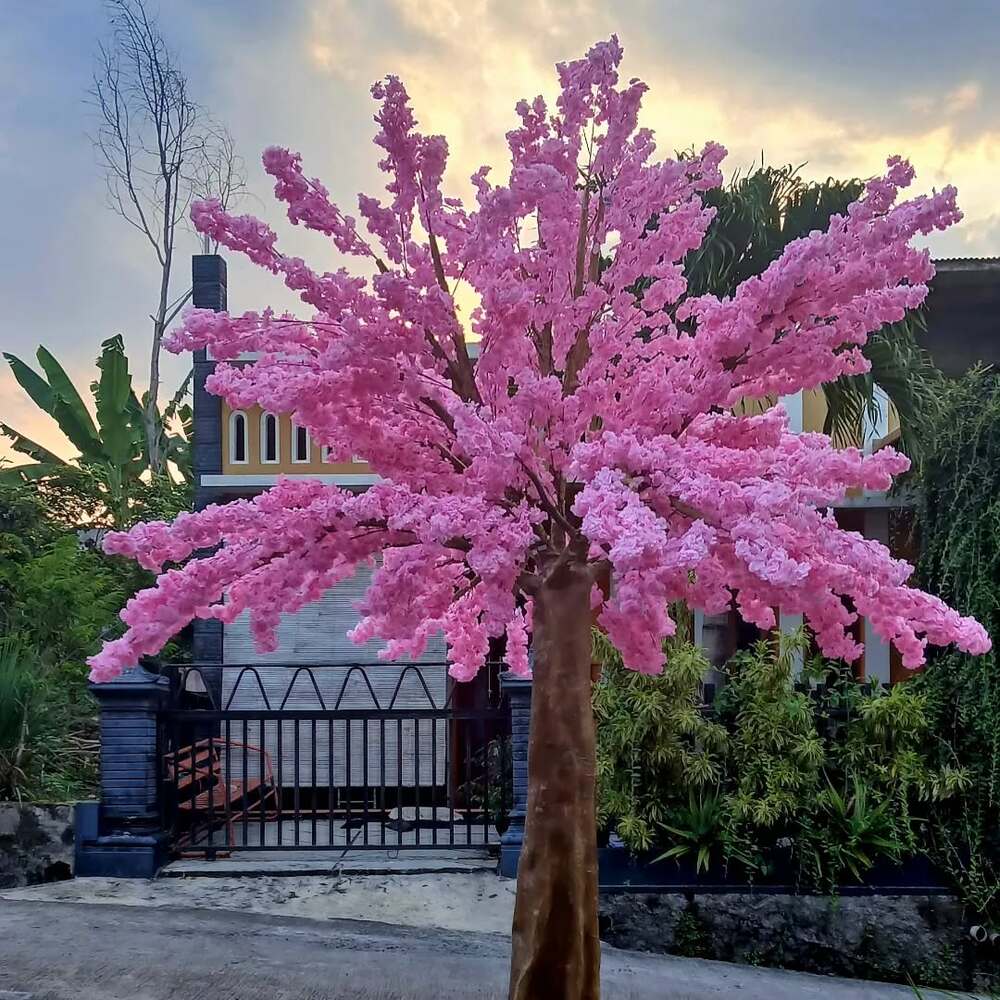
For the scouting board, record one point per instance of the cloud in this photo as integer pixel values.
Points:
(838, 90)
(835, 86)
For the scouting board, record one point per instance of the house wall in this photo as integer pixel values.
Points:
(867, 514)
(316, 636)
(256, 466)
(814, 412)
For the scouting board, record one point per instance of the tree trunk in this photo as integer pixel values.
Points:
(555, 946)
(150, 416)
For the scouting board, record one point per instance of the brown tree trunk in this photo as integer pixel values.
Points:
(555, 946)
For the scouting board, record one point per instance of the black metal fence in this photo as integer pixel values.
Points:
(266, 757)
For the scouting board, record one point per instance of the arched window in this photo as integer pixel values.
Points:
(300, 444)
(238, 438)
(270, 448)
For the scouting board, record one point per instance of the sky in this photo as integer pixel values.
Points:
(837, 87)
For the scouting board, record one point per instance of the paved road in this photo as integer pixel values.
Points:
(58, 951)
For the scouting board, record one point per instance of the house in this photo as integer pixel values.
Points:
(239, 453)
(316, 667)
(963, 329)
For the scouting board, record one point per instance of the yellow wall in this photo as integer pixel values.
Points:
(255, 467)
(814, 410)
(813, 414)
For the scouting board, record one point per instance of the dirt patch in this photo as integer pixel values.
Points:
(478, 901)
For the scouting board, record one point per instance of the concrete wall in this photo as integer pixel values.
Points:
(890, 938)
(36, 844)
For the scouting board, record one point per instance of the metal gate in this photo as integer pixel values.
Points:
(329, 760)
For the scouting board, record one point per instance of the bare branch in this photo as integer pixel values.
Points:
(216, 170)
(543, 498)
(158, 150)
(172, 315)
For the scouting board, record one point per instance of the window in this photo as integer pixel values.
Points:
(875, 426)
(300, 444)
(270, 449)
(325, 456)
(238, 438)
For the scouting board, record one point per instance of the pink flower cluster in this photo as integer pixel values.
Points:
(596, 424)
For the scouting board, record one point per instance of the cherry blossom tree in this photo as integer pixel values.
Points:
(596, 432)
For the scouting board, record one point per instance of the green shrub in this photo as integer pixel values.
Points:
(57, 597)
(18, 712)
(820, 776)
(958, 519)
(654, 743)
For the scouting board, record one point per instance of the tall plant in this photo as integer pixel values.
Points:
(591, 437)
(58, 597)
(959, 524)
(18, 710)
(114, 461)
(653, 741)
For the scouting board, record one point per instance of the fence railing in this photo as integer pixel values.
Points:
(277, 757)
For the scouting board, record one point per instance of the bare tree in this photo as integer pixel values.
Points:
(158, 149)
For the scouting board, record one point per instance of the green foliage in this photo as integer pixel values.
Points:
(847, 831)
(110, 477)
(691, 936)
(652, 737)
(57, 597)
(959, 524)
(700, 831)
(816, 782)
(62, 597)
(774, 741)
(18, 710)
(757, 215)
(58, 594)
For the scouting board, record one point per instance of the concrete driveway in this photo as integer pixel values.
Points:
(63, 950)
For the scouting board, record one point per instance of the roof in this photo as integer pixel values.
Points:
(967, 263)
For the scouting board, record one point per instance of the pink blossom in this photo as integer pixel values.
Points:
(594, 418)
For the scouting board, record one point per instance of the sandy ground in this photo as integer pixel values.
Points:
(476, 901)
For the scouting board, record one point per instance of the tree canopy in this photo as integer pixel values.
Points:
(596, 434)
(596, 428)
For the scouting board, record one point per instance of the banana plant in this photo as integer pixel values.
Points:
(113, 451)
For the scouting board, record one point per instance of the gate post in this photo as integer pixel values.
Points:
(518, 691)
(127, 840)
(209, 290)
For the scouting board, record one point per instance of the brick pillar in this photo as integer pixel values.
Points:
(209, 290)
(129, 842)
(518, 691)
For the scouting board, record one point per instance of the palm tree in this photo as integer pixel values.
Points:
(757, 215)
(114, 457)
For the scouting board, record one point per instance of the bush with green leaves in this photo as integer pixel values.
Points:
(58, 596)
(654, 743)
(809, 776)
(18, 712)
(958, 518)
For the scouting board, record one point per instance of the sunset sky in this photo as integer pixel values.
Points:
(837, 86)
